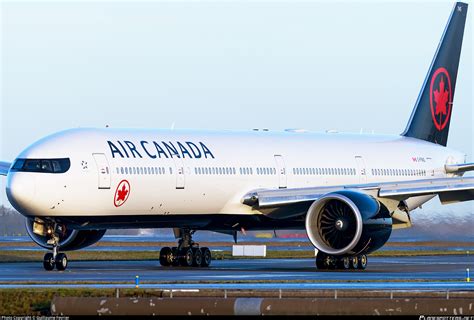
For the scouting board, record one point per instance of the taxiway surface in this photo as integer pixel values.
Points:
(422, 272)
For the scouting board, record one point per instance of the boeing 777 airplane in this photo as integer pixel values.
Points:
(348, 191)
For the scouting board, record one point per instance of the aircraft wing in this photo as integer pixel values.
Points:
(449, 190)
(4, 167)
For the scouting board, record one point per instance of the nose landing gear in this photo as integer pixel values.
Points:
(55, 259)
(187, 253)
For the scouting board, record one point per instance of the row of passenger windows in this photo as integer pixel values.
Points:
(232, 171)
(143, 170)
(325, 171)
(215, 170)
(266, 171)
(246, 171)
(398, 172)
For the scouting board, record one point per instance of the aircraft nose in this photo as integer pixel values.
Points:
(21, 191)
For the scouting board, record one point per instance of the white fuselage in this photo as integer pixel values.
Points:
(211, 171)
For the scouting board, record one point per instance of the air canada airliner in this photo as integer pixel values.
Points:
(347, 191)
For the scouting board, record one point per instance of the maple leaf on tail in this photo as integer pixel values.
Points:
(121, 194)
(441, 98)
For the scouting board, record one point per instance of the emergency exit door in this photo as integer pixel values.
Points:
(103, 170)
(179, 171)
(361, 170)
(281, 171)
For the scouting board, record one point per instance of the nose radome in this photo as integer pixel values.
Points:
(21, 191)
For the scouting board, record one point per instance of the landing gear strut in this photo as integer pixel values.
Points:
(55, 259)
(326, 261)
(187, 253)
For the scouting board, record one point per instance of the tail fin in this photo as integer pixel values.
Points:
(432, 113)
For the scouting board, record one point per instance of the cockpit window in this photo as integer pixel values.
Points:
(42, 165)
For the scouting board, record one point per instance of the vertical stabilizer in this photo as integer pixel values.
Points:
(431, 116)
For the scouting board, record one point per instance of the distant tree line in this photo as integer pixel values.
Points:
(11, 222)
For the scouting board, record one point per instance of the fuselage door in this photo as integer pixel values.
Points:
(361, 170)
(179, 172)
(281, 171)
(103, 170)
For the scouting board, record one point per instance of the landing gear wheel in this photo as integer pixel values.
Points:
(206, 257)
(197, 257)
(166, 256)
(48, 261)
(354, 262)
(362, 262)
(320, 260)
(186, 260)
(330, 262)
(346, 263)
(61, 261)
(174, 259)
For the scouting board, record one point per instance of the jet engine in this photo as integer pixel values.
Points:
(348, 222)
(69, 239)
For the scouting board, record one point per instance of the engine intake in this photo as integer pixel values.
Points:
(348, 223)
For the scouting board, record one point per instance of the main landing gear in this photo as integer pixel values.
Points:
(54, 259)
(187, 254)
(325, 261)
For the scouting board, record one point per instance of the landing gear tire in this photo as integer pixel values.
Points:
(330, 262)
(325, 261)
(206, 257)
(354, 262)
(175, 257)
(362, 262)
(61, 261)
(346, 263)
(197, 257)
(48, 261)
(320, 260)
(186, 259)
(166, 256)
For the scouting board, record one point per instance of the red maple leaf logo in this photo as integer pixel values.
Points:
(121, 194)
(441, 98)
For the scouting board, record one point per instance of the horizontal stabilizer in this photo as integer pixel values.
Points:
(458, 168)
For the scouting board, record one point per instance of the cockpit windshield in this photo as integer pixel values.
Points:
(42, 165)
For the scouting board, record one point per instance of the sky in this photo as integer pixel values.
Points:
(351, 66)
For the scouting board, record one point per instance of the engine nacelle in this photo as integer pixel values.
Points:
(69, 239)
(348, 222)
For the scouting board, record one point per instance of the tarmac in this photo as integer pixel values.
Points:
(385, 273)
